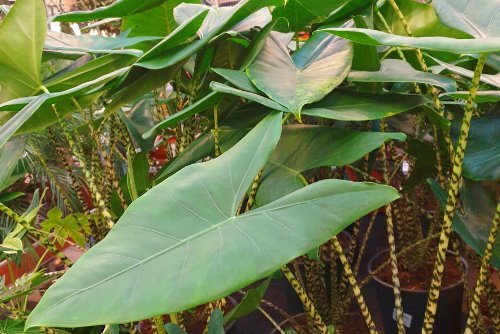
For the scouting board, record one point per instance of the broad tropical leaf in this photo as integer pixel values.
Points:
(394, 70)
(189, 222)
(453, 45)
(21, 49)
(478, 18)
(312, 72)
(297, 152)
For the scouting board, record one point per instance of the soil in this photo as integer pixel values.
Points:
(421, 278)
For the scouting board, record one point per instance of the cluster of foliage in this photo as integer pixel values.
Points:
(205, 148)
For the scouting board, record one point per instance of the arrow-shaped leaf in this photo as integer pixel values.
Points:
(182, 244)
(319, 66)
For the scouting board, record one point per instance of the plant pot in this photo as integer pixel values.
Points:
(449, 311)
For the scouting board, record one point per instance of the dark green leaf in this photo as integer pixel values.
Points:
(119, 8)
(282, 173)
(216, 324)
(347, 105)
(249, 303)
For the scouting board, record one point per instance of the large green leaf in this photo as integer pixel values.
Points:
(395, 70)
(345, 105)
(185, 230)
(474, 225)
(10, 127)
(297, 151)
(119, 8)
(482, 153)
(313, 71)
(453, 45)
(478, 18)
(483, 96)
(22, 34)
(420, 17)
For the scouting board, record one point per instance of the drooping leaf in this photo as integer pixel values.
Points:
(202, 104)
(395, 70)
(482, 152)
(249, 303)
(474, 225)
(490, 79)
(345, 105)
(66, 43)
(10, 127)
(21, 41)
(9, 156)
(312, 72)
(75, 76)
(297, 151)
(119, 8)
(139, 120)
(453, 45)
(50, 98)
(216, 323)
(237, 78)
(484, 96)
(175, 221)
(478, 18)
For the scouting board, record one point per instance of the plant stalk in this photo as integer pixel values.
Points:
(451, 202)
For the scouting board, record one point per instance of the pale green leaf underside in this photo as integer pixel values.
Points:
(312, 72)
(478, 18)
(453, 45)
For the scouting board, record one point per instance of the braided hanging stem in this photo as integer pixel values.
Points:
(392, 244)
(483, 274)
(451, 202)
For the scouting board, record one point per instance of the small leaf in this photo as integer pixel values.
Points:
(216, 324)
(394, 70)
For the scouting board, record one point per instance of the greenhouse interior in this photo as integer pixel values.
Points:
(249, 166)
